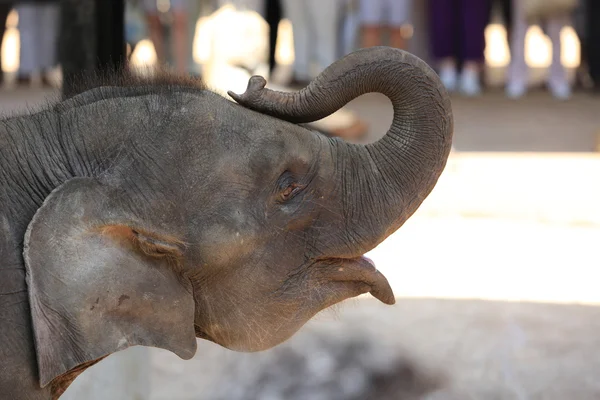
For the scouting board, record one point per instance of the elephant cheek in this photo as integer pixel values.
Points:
(221, 246)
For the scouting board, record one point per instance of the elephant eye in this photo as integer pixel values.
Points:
(290, 191)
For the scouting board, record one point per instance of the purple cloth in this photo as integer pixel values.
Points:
(457, 28)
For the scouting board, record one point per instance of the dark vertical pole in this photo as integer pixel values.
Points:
(110, 31)
(273, 14)
(76, 41)
(92, 38)
(592, 42)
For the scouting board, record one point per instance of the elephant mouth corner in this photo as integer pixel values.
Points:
(357, 274)
(201, 334)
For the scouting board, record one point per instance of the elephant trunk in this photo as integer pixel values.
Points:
(383, 183)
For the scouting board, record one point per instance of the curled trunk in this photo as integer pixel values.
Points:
(383, 183)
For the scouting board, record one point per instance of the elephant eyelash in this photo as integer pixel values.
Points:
(290, 191)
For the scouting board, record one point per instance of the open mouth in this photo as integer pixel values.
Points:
(362, 271)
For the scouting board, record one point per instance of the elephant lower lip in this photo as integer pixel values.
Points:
(362, 269)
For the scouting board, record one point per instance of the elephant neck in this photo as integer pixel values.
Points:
(38, 153)
(17, 351)
(33, 162)
(41, 151)
(26, 159)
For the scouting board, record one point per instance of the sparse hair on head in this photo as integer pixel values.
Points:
(81, 88)
(91, 86)
(126, 78)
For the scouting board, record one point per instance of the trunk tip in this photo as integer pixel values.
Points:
(255, 86)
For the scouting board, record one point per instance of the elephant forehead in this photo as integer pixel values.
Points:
(257, 162)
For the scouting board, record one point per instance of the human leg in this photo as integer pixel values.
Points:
(48, 22)
(557, 82)
(472, 27)
(28, 50)
(296, 12)
(443, 27)
(399, 14)
(156, 31)
(350, 27)
(180, 35)
(518, 70)
(194, 12)
(371, 15)
(472, 37)
(323, 18)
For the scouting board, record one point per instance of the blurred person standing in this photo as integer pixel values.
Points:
(523, 13)
(178, 9)
(376, 15)
(4, 10)
(458, 37)
(315, 31)
(38, 29)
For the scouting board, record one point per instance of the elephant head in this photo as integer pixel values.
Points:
(193, 216)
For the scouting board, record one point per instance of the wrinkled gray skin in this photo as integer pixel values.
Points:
(152, 215)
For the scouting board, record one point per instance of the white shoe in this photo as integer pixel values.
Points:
(469, 83)
(515, 90)
(448, 77)
(560, 90)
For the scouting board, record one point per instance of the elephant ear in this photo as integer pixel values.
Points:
(99, 281)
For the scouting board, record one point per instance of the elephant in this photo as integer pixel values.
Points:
(153, 212)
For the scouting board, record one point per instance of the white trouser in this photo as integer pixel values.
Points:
(252, 5)
(38, 28)
(518, 72)
(315, 30)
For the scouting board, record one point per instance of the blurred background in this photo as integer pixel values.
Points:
(496, 274)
